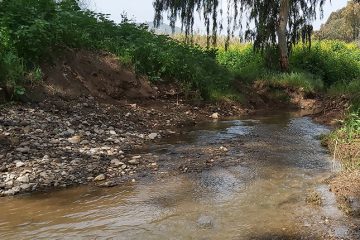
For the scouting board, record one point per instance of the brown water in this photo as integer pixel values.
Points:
(263, 197)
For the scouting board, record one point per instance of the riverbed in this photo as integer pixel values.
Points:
(267, 168)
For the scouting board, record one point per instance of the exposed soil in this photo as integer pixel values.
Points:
(346, 186)
(331, 110)
(82, 73)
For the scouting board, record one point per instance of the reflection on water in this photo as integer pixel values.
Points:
(261, 198)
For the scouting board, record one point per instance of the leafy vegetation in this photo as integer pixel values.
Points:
(343, 24)
(345, 141)
(33, 31)
(269, 24)
(326, 65)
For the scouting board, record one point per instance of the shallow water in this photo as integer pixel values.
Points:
(263, 197)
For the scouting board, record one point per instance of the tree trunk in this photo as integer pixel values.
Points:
(281, 32)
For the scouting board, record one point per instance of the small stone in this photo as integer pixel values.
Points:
(116, 162)
(112, 132)
(100, 177)
(10, 192)
(75, 139)
(20, 164)
(25, 187)
(215, 116)
(84, 142)
(224, 149)
(9, 184)
(152, 136)
(70, 131)
(133, 162)
(23, 179)
(23, 150)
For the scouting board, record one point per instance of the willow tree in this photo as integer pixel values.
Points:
(267, 23)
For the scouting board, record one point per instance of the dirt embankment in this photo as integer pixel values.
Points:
(346, 185)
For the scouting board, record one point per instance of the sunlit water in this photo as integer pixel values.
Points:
(261, 198)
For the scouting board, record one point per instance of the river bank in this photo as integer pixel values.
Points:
(56, 144)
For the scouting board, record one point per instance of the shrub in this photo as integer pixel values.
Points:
(333, 61)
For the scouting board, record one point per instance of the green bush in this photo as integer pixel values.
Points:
(333, 61)
(38, 29)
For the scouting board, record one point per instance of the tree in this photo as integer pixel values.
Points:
(352, 18)
(343, 24)
(269, 23)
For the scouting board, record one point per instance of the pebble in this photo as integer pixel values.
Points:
(19, 164)
(23, 150)
(116, 162)
(224, 149)
(75, 139)
(100, 177)
(152, 136)
(215, 116)
(23, 179)
(134, 161)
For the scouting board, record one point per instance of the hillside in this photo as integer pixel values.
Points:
(343, 24)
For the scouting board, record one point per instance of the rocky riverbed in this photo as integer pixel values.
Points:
(59, 143)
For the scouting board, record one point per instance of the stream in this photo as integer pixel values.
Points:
(258, 191)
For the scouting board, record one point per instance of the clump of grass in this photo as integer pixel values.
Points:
(345, 141)
(306, 82)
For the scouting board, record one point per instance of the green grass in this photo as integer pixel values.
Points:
(344, 142)
(303, 81)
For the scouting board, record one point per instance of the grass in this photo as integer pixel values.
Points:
(345, 141)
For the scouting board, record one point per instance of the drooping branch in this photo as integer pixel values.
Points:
(260, 25)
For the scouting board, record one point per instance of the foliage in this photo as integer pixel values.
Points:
(263, 15)
(345, 141)
(332, 61)
(343, 24)
(32, 31)
(330, 64)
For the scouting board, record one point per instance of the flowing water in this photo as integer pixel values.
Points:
(261, 197)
